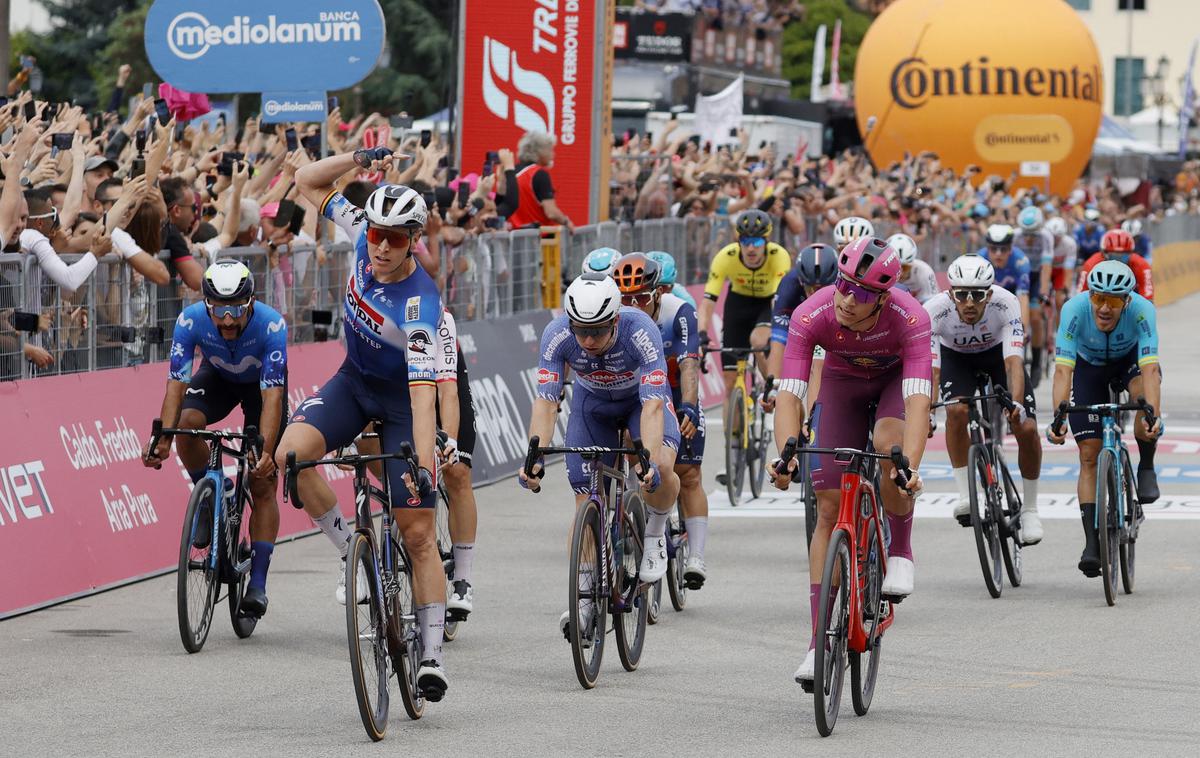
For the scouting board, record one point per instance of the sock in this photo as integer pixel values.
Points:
(961, 480)
(697, 532)
(814, 605)
(656, 522)
(334, 527)
(464, 555)
(1030, 487)
(432, 619)
(1146, 454)
(260, 561)
(1087, 512)
(197, 475)
(901, 527)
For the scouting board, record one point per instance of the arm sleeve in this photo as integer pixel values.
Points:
(114, 102)
(422, 343)
(781, 311)
(1147, 332)
(507, 206)
(349, 217)
(918, 359)
(1066, 342)
(68, 276)
(688, 344)
(543, 189)
(716, 277)
(797, 358)
(551, 359)
(274, 365)
(447, 349)
(1012, 336)
(183, 348)
(1023, 277)
(1145, 282)
(935, 345)
(652, 364)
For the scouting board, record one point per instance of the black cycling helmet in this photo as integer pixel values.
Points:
(817, 265)
(753, 223)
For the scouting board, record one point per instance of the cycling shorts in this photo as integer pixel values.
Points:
(742, 314)
(466, 416)
(842, 415)
(596, 421)
(1035, 287)
(1060, 278)
(960, 369)
(349, 401)
(215, 396)
(1090, 385)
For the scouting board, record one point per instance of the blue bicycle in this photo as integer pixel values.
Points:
(215, 546)
(1118, 512)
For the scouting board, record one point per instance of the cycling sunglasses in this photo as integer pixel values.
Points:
(220, 311)
(753, 241)
(964, 294)
(639, 298)
(580, 330)
(1000, 248)
(395, 237)
(861, 294)
(1100, 299)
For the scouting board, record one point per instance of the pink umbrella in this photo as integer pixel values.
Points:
(185, 106)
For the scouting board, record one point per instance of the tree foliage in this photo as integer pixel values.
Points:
(67, 53)
(799, 41)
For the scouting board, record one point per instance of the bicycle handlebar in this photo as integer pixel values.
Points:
(291, 490)
(792, 448)
(1001, 394)
(248, 435)
(1103, 409)
(537, 451)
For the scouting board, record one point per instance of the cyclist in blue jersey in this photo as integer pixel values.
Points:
(616, 355)
(667, 274)
(1088, 236)
(1011, 265)
(390, 312)
(816, 267)
(1107, 336)
(1142, 244)
(243, 349)
(639, 277)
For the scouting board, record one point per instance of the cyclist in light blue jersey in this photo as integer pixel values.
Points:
(243, 349)
(667, 275)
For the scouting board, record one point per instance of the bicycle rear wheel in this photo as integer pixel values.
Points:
(832, 633)
(983, 519)
(631, 623)
(1129, 537)
(756, 453)
(239, 567)
(1010, 544)
(676, 586)
(864, 666)
(197, 582)
(1107, 494)
(406, 635)
(588, 605)
(366, 636)
(445, 548)
(735, 450)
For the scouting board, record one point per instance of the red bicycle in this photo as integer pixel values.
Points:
(854, 611)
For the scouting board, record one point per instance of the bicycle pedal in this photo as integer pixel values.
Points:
(895, 599)
(964, 520)
(456, 615)
(807, 685)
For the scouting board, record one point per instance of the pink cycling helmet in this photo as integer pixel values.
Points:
(870, 262)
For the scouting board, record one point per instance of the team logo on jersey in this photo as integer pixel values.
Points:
(912, 320)
(412, 308)
(546, 376)
(655, 378)
(419, 341)
(805, 320)
(606, 378)
(864, 361)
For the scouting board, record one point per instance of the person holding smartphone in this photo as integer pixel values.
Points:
(535, 153)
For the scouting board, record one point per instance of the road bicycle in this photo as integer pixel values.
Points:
(747, 435)
(606, 557)
(222, 557)
(853, 612)
(381, 629)
(995, 502)
(1119, 515)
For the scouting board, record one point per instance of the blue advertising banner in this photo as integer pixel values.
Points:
(281, 107)
(265, 46)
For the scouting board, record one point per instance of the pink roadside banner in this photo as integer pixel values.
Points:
(78, 510)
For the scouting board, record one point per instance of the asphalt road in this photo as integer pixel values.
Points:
(1047, 669)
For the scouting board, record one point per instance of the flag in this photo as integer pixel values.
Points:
(717, 114)
(835, 83)
(1188, 107)
(818, 72)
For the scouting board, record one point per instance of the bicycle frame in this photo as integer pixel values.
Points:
(986, 433)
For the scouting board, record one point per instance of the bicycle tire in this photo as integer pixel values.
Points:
(756, 453)
(445, 548)
(366, 638)
(1010, 545)
(1106, 510)
(833, 632)
(676, 586)
(407, 634)
(631, 623)
(864, 674)
(239, 556)
(983, 521)
(1130, 529)
(735, 448)
(195, 601)
(809, 496)
(587, 640)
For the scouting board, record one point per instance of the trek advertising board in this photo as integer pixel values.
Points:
(264, 46)
(535, 65)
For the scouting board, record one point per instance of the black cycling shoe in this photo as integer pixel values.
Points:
(431, 680)
(1089, 562)
(203, 534)
(1147, 486)
(254, 603)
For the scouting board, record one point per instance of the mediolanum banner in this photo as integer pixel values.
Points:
(263, 46)
(535, 65)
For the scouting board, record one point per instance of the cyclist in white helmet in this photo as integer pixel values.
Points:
(600, 261)
(916, 276)
(1062, 266)
(851, 228)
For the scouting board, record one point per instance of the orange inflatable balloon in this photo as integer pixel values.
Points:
(985, 82)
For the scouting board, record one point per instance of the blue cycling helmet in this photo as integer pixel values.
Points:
(1030, 219)
(1111, 278)
(601, 261)
(817, 265)
(666, 267)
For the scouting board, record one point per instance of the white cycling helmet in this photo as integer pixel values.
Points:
(850, 229)
(999, 234)
(971, 271)
(1056, 226)
(1030, 219)
(1133, 226)
(905, 246)
(228, 279)
(593, 299)
(397, 205)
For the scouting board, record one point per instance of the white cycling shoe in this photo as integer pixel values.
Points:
(962, 512)
(564, 621)
(695, 573)
(899, 579)
(360, 585)
(654, 559)
(1031, 527)
(806, 671)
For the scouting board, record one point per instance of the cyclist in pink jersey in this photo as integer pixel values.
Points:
(876, 341)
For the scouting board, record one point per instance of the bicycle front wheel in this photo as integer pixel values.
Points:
(1130, 531)
(983, 518)
(735, 445)
(631, 622)
(864, 666)
(445, 548)
(756, 454)
(366, 636)
(588, 609)
(833, 631)
(197, 581)
(809, 496)
(402, 623)
(677, 534)
(1107, 494)
(1010, 544)
(239, 556)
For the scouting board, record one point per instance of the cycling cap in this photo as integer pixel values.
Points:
(593, 299)
(1030, 219)
(971, 271)
(635, 273)
(904, 245)
(396, 205)
(600, 261)
(753, 223)
(1111, 278)
(870, 262)
(1133, 226)
(1056, 226)
(851, 228)
(666, 267)
(1116, 241)
(999, 234)
(228, 280)
(817, 264)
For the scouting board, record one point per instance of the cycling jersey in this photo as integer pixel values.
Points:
(1063, 265)
(1000, 325)
(787, 298)
(1088, 242)
(1142, 271)
(759, 282)
(259, 354)
(447, 348)
(679, 291)
(1014, 275)
(452, 368)
(1080, 338)
(1142, 246)
(390, 326)
(921, 282)
(680, 338)
(1038, 247)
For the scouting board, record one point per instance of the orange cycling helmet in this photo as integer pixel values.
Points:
(1116, 241)
(636, 273)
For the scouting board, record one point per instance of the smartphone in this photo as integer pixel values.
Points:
(487, 168)
(426, 137)
(61, 141)
(179, 129)
(147, 90)
(324, 318)
(267, 128)
(464, 194)
(164, 113)
(25, 322)
(283, 216)
(332, 102)
(139, 140)
(138, 168)
(312, 143)
(401, 122)
(292, 144)
(492, 156)
(225, 166)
